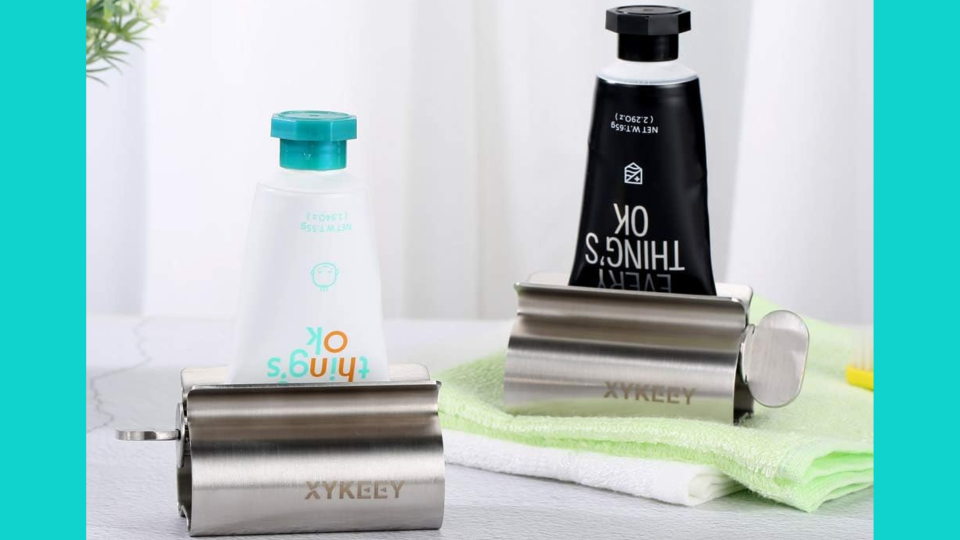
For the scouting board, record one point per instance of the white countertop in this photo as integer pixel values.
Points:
(133, 368)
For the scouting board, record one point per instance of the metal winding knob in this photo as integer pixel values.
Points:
(774, 357)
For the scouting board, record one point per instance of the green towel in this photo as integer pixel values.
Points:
(818, 448)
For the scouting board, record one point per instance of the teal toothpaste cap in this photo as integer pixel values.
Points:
(313, 140)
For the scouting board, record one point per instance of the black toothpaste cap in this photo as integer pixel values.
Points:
(648, 33)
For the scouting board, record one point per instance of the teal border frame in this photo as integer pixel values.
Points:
(917, 193)
(42, 216)
(42, 268)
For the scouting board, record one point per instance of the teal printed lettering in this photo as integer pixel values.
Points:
(315, 336)
(274, 367)
(363, 370)
(298, 368)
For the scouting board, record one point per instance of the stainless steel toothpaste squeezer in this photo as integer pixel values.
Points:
(577, 351)
(268, 458)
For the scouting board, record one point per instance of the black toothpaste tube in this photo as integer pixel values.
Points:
(644, 223)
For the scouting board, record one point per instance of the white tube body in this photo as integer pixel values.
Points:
(310, 308)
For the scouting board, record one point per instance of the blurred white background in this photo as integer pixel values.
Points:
(473, 119)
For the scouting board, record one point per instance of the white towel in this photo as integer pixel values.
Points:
(669, 481)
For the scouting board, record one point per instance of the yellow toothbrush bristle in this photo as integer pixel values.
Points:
(860, 377)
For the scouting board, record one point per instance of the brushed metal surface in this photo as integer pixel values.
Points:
(579, 352)
(260, 456)
(740, 293)
(257, 459)
(576, 351)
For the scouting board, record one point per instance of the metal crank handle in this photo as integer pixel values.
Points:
(148, 434)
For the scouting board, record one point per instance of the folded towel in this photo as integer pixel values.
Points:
(669, 481)
(818, 448)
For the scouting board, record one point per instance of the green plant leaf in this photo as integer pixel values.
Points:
(114, 22)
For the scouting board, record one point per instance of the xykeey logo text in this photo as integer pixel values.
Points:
(354, 489)
(650, 393)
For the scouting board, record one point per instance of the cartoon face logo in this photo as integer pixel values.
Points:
(324, 275)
